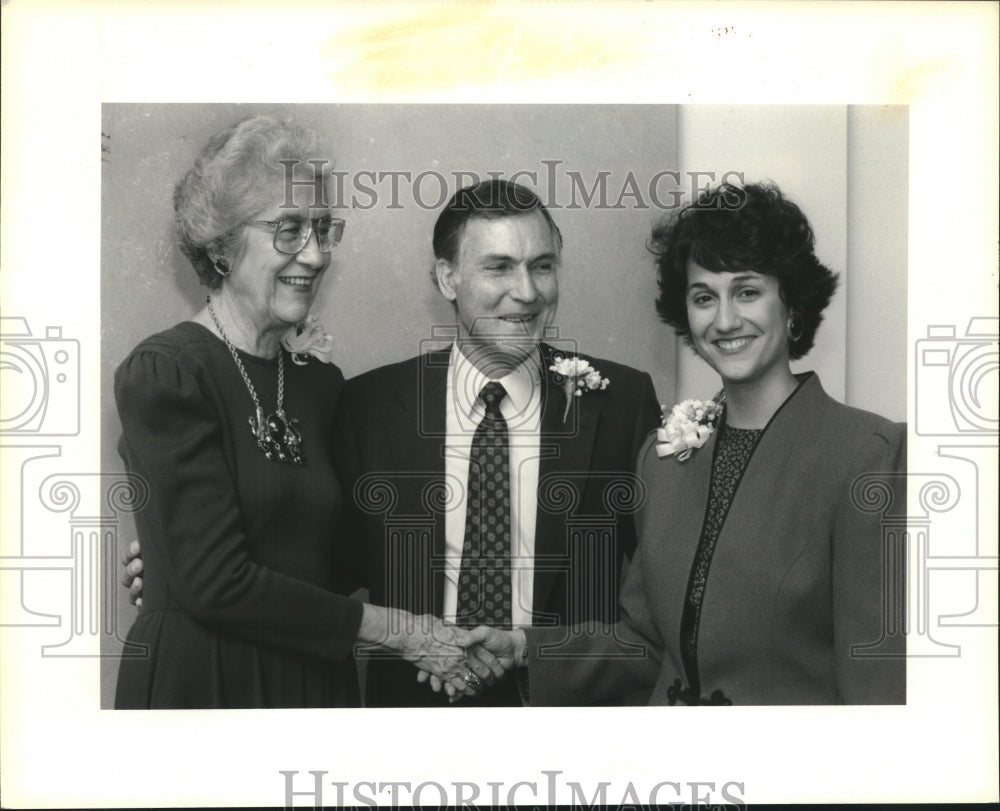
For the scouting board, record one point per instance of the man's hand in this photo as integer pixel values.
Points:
(504, 645)
(131, 573)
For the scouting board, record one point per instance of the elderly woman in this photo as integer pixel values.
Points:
(760, 577)
(227, 417)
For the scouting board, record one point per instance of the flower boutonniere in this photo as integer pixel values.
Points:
(309, 338)
(688, 426)
(577, 376)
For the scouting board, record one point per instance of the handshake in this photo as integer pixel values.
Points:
(461, 662)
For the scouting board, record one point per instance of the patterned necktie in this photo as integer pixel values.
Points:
(484, 584)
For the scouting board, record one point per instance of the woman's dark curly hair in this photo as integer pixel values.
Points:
(738, 228)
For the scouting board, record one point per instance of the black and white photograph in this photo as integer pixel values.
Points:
(259, 526)
(394, 433)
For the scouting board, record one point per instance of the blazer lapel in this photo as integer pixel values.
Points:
(672, 524)
(566, 449)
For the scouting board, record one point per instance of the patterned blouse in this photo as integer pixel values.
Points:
(733, 449)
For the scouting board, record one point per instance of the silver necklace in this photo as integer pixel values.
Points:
(277, 435)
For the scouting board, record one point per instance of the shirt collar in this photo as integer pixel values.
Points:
(521, 383)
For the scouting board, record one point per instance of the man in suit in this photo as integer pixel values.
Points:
(407, 437)
(542, 541)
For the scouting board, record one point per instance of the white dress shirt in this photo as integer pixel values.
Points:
(522, 409)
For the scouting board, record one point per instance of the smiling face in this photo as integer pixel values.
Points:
(504, 286)
(738, 324)
(271, 290)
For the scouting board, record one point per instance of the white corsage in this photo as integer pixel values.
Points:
(688, 426)
(309, 338)
(577, 376)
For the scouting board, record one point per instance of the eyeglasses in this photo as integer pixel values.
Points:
(292, 234)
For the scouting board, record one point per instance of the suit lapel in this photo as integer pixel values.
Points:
(566, 449)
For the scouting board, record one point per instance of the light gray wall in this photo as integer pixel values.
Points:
(378, 300)
(846, 167)
(877, 208)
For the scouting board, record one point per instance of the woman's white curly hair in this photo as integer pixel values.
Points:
(235, 176)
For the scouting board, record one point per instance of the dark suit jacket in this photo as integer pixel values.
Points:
(391, 429)
(804, 598)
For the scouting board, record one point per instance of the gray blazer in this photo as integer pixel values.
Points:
(804, 598)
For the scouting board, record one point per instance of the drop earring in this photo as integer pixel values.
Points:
(221, 266)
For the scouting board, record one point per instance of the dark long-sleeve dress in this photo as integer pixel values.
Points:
(245, 576)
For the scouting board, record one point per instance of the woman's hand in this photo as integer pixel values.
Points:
(451, 657)
(131, 573)
(495, 647)
(435, 647)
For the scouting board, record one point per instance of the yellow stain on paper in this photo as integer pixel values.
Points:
(465, 45)
(925, 79)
